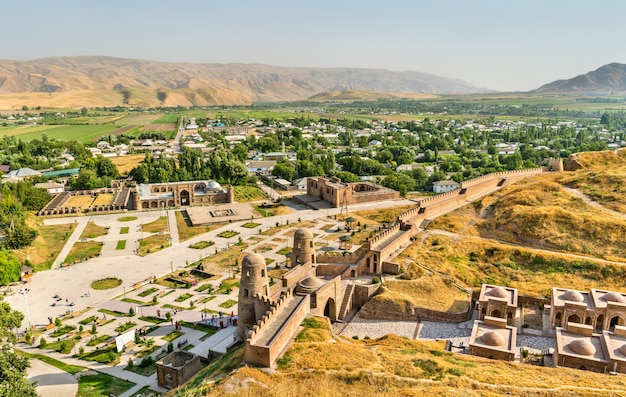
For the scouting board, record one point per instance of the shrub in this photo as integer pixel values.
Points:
(131, 312)
(168, 315)
(525, 353)
(81, 350)
(130, 363)
(170, 347)
(57, 322)
(375, 280)
(43, 343)
(93, 329)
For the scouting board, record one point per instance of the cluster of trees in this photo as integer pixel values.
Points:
(13, 381)
(16, 200)
(221, 166)
(96, 172)
(39, 153)
(308, 163)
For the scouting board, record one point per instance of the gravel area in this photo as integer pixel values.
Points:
(535, 342)
(376, 328)
(432, 330)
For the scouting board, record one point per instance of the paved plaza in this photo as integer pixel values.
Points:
(72, 284)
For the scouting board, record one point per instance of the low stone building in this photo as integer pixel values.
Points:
(500, 302)
(180, 194)
(177, 368)
(601, 309)
(493, 338)
(339, 193)
(578, 347)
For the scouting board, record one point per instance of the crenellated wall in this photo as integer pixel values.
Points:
(265, 353)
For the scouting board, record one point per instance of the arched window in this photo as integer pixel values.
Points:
(245, 293)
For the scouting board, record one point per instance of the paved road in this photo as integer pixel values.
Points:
(51, 381)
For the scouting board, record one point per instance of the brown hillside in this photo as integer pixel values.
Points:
(107, 79)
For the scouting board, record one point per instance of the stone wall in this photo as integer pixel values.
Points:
(266, 355)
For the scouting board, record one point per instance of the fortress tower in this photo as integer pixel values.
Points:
(254, 281)
(303, 250)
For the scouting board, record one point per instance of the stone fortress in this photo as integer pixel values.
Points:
(334, 286)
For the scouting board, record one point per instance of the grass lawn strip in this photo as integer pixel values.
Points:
(102, 385)
(121, 244)
(228, 304)
(159, 225)
(173, 335)
(82, 251)
(153, 244)
(106, 283)
(124, 230)
(92, 231)
(71, 369)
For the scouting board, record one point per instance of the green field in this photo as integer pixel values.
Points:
(82, 133)
(170, 118)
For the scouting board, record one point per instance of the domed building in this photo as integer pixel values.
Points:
(496, 301)
(602, 310)
(493, 338)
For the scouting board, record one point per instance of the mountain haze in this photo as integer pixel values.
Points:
(606, 79)
(138, 82)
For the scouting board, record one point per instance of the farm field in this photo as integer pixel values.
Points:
(82, 133)
(126, 163)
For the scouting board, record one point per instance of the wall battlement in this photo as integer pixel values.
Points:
(267, 317)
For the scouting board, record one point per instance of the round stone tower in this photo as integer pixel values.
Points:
(253, 281)
(231, 194)
(303, 250)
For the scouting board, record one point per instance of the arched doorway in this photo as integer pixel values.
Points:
(588, 321)
(367, 264)
(330, 310)
(573, 318)
(496, 313)
(599, 323)
(617, 320)
(557, 319)
(184, 197)
(353, 273)
(375, 264)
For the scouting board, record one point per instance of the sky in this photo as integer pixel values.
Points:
(504, 45)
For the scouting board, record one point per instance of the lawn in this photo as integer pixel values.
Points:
(102, 385)
(102, 356)
(227, 257)
(127, 219)
(159, 225)
(92, 231)
(103, 199)
(202, 244)
(183, 297)
(272, 211)
(83, 251)
(251, 225)
(106, 283)
(147, 292)
(173, 335)
(244, 194)
(152, 244)
(46, 246)
(227, 234)
(72, 369)
(121, 244)
(124, 230)
(125, 327)
(186, 230)
(169, 118)
(228, 304)
(82, 201)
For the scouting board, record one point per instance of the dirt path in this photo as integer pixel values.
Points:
(592, 202)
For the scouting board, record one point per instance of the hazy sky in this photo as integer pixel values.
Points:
(497, 44)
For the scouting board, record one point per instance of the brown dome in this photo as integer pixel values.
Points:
(573, 296)
(623, 349)
(582, 347)
(614, 297)
(492, 338)
(253, 260)
(498, 292)
(303, 233)
(310, 284)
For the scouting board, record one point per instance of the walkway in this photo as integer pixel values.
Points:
(51, 381)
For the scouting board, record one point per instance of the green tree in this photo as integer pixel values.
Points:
(13, 380)
(11, 268)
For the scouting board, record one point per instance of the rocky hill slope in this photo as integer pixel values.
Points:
(606, 79)
(142, 82)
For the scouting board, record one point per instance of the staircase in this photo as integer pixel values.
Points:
(346, 300)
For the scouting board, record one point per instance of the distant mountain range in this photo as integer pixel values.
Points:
(108, 81)
(606, 79)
